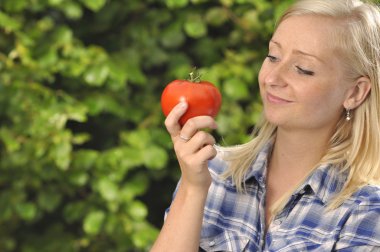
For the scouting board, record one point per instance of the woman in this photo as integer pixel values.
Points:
(309, 179)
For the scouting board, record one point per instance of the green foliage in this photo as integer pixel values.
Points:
(85, 161)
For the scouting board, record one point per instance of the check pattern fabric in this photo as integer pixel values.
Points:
(235, 221)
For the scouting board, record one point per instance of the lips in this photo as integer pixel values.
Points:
(276, 100)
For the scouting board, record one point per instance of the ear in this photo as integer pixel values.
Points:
(357, 93)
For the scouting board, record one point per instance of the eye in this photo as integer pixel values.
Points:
(272, 58)
(304, 71)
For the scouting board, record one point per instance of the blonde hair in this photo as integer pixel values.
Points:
(355, 145)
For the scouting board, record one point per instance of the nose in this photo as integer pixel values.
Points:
(276, 75)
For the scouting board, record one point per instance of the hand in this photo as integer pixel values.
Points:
(193, 146)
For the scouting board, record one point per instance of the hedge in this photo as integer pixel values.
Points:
(85, 161)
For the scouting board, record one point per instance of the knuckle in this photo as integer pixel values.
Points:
(202, 135)
(209, 148)
(191, 123)
(205, 137)
(211, 151)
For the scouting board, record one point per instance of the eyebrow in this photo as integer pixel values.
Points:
(297, 51)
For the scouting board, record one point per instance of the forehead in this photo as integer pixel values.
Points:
(309, 33)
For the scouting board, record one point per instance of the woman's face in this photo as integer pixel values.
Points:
(302, 82)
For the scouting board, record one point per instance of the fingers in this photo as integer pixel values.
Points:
(171, 121)
(191, 140)
(197, 151)
(208, 152)
(193, 125)
(198, 141)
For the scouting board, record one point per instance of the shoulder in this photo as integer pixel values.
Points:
(368, 196)
(362, 228)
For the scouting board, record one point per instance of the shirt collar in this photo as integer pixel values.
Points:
(258, 169)
(325, 181)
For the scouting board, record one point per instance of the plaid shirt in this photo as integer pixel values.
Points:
(235, 221)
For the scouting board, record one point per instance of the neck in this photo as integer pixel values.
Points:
(298, 152)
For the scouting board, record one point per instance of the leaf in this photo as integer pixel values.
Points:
(121, 159)
(96, 75)
(117, 69)
(77, 112)
(137, 210)
(216, 16)
(8, 243)
(62, 151)
(172, 36)
(251, 20)
(9, 140)
(48, 59)
(176, 3)
(108, 189)
(155, 157)
(129, 61)
(227, 3)
(280, 8)
(137, 138)
(14, 5)
(236, 89)
(94, 5)
(79, 139)
(99, 103)
(74, 211)
(72, 10)
(195, 27)
(55, 2)
(49, 199)
(93, 222)
(8, 23)
(6, 211)
(144, 234)
(85, 159)
(134, 187)
(26, 210)
(79, 178)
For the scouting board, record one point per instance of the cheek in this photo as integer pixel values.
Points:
(323, 102)
(315, 97)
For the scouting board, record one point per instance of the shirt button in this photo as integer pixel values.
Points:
(277, 222)
(211, 243)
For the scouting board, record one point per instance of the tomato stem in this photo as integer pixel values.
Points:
(195, 76)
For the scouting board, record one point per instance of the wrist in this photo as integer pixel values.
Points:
(194, 192)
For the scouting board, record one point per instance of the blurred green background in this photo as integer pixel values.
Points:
(85, 161)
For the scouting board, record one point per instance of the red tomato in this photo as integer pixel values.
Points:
(202, 97)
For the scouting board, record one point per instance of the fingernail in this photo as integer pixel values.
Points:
(182, 104)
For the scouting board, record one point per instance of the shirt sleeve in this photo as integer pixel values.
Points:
(362, 229)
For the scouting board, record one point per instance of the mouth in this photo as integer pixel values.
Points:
(276, 100)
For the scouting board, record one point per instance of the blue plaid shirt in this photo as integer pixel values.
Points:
(235, 221)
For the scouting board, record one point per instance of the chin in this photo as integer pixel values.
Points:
(274, 116)
(276, 120)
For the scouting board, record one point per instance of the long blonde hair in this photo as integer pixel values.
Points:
(355, 145)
